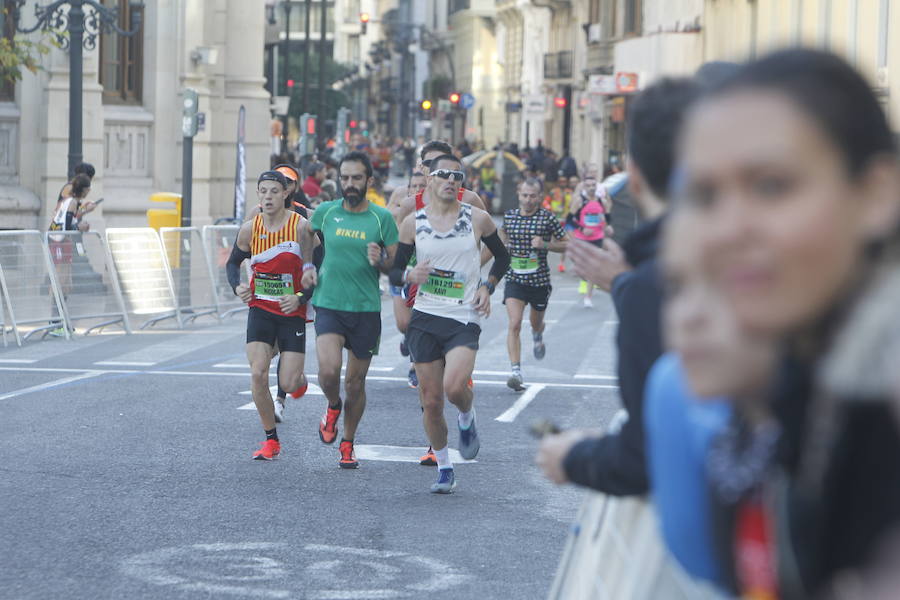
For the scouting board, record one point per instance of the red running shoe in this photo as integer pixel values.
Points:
(348, 457)
(270, 449)
(428, 459)
(328, 426)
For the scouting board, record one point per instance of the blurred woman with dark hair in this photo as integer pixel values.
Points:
(792, 167)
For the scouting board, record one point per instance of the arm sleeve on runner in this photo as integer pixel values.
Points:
(401, 259)
(233, 266)
(501, 255)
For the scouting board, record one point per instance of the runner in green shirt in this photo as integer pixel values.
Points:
(360, 240)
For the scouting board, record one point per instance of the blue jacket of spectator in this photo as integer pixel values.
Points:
(679, 428)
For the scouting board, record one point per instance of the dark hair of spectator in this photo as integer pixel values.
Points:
(84, 169)
(435, 145)
(830, 91)
(442, 157)
(360, 157)
(654, 121)
(80, 185)
(313, 168)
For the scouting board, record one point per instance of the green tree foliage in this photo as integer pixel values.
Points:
(17, 52)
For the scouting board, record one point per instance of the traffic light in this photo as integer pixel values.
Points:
(307, 143)
(364, 22)
(560, 102)
(426, 104)
(454, 98)
(353, 123)
(190, 120)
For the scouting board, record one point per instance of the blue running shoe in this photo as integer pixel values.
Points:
(445, 483)
(412, 378)
(469, 444)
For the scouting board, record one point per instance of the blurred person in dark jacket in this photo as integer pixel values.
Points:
(615, 463)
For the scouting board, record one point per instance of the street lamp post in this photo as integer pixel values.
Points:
(288, 91)
(83, 27)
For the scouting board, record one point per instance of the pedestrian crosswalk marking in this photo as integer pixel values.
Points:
(400, 453)
(521, 403)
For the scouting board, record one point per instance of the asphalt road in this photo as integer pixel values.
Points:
(127, 471)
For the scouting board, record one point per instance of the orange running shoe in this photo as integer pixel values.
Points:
(300, 391)
(348, 457)
(428, 459)
(270, 449)
(471, 384)
(328, 426)
(562, 268)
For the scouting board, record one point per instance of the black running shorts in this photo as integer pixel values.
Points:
(267, 327)
(537, 296)
(430, 338)
(361, 330)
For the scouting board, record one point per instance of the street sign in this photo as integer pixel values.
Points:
(467, 101)
(513, 106)
(626, 83)
(602, 84)
(280, 104)
(536, 104)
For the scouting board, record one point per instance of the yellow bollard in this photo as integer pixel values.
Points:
(166, 217)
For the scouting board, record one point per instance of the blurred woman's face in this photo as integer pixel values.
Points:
(781, 225)
(719, 358)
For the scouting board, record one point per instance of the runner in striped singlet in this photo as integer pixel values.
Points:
(276, 242)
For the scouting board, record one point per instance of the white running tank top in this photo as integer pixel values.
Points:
(455, 267)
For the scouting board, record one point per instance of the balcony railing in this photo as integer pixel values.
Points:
(558, 65)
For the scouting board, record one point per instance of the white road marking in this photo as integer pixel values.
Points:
(213, 374)
(500, 373)
(523, 401)
(604, 377)
(50, 384)
(400, 453)
(18, 361)
(124, 363)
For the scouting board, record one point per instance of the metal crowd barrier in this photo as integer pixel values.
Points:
(218, 241)
(144, 274)
(28, 283)
(191, 272)
(84, 271)
(615, 550)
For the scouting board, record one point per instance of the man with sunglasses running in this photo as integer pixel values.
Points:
(443, 333)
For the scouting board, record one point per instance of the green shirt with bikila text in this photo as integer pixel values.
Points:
(347, 281)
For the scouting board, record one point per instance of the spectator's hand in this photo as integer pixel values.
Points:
(597, 265)
(553, 450)
(419, 274)
(244, 293)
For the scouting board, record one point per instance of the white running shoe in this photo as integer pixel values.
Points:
(588, 303)
(279, 410)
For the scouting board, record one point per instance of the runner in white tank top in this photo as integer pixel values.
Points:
(444, 328)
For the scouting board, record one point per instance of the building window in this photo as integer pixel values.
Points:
(122, 58)
(457, 5)
(633, 17)
(298, 21)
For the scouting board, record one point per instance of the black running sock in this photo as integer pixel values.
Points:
(338, 407)
(346, 440)
(272, 434)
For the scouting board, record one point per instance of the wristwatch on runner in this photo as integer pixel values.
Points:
(489, 286)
